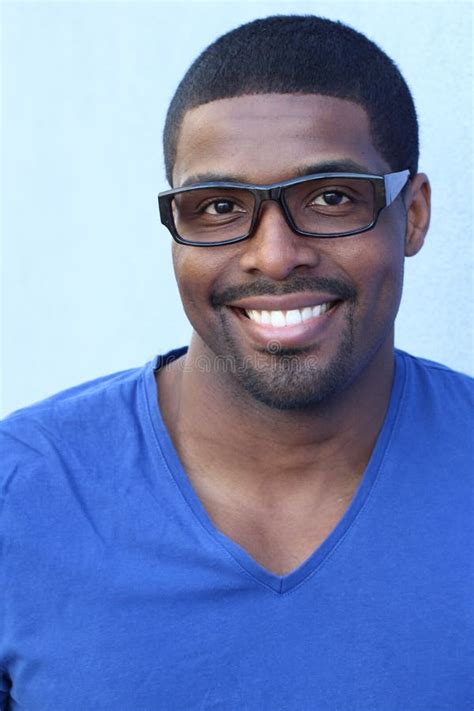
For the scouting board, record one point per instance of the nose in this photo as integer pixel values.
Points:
(275, 250)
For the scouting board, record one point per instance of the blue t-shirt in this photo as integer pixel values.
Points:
(119, 594)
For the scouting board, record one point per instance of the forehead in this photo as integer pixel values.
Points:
(265, 138)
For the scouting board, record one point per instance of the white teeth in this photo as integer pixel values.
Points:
(292, 317)
(277, 318)
(287, 318)
(255, 316)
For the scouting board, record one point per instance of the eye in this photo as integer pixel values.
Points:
(221, 207)
(330, 198)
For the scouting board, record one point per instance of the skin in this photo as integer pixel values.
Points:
(277, 479)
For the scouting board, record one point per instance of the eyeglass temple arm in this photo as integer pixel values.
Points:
(394, 183)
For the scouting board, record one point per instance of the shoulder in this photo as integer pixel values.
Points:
(38, 437)
(72, 402)
(437, 406)
(432, 377)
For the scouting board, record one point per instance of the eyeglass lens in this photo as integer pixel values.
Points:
(318, 206)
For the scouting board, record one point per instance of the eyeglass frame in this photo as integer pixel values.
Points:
(387, 188)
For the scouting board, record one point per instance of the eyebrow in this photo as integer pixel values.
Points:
(335, 166)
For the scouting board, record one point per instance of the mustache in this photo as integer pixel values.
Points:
(334, 287)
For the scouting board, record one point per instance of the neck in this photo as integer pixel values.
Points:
(231, 437)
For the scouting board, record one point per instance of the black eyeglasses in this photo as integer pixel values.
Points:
(324, 205)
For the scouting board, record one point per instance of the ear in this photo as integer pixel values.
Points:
(418, 207)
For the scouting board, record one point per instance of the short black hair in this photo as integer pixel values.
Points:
(302, 54)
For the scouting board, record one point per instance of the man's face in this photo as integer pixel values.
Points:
(356, 280)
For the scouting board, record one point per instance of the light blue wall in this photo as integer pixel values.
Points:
(88, 286)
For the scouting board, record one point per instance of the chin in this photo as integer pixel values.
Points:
(284, 379)
(290, 382)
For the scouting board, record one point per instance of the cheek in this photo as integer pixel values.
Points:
(190, 268)
(196, 272)
(385, 285)
(374, 263)
(186, 273)
(382, 279)
(392, 255)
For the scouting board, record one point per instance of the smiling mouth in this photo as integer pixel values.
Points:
(293, 317)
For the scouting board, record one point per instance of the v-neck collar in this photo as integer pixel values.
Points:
(279, 583)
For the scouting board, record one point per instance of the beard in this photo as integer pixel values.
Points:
(291, 379)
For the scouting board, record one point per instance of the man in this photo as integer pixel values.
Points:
(276, 518)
